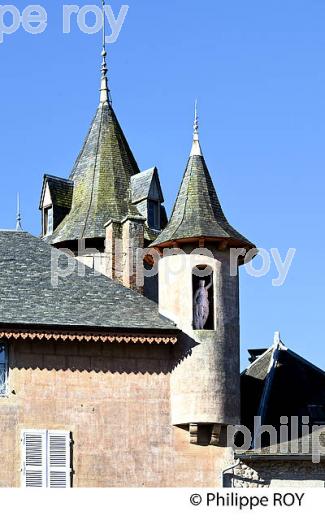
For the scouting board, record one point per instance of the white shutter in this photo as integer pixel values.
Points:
(34, 458)
(58, 462)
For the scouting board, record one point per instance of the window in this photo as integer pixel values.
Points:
(46, 459)
(316, 413)
(48, 220)
(154, 214)
(3, 369)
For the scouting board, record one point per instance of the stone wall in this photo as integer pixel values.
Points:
(294, 473)
(115, 400)
(206, 384)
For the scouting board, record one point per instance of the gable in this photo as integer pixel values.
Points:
(146, 185)
(155, 190)
(47, 199)
(290, 386)
(57, 192)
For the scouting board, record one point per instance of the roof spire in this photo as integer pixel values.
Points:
(18, 215)
(196, 148)
(104, 90)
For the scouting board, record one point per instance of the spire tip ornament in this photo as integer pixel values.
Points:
(196, 148)
(104, 90)
(18, 215)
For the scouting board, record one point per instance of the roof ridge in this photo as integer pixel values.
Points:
(56, 177)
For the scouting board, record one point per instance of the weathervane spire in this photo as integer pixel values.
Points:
(18, 215)
(104, 90)
(196, 148)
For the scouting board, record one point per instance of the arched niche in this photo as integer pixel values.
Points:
(203, 298)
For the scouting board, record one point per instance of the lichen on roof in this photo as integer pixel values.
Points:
(61, 190)
(197, 211)
(101, 178)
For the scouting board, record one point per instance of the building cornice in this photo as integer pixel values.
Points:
(96, 336)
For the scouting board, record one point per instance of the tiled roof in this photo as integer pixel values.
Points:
(300, 447)
(28, 297)
(197, 211)
(259, 368)
(280, 383)
(141, 184)
(61, 190)
(101, 177)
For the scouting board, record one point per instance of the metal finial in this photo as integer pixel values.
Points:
(18, 215)
(277, 338)
(196, 120)
(104, 90)
(104, 25)
(196, 148)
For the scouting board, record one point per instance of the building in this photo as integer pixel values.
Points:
(287, 393)
(102, 386)
(111, 377)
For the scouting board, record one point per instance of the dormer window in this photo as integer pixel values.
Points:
(154, 214)
(48, 221)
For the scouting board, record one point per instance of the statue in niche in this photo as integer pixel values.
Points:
(201, 305)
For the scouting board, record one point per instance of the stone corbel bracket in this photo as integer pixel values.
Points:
(194, 430)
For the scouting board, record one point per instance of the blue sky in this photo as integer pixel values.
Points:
(257, 69)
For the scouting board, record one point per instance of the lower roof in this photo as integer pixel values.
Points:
(304, 447)
(30, 296)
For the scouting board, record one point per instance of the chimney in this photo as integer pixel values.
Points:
(124, 251)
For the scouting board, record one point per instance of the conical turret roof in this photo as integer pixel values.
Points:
(197, 211)
(101, 177)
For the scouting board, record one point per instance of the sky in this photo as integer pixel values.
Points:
(257, 70)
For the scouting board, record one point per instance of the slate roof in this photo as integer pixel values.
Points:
(140, 190)
(101, 177)
(197, 211)
(27, 296)
(300, 448)
(61, 191)
(259, 368)
(280, 383)
(141, 184)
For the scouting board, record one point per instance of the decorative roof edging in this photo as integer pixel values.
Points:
(104, 338)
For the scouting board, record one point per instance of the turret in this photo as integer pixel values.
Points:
(107, 209)
(199, 290)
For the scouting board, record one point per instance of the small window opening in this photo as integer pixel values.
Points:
(316, 413)
(48, 220)
(203, 298)
(154, 214)
(3, 369)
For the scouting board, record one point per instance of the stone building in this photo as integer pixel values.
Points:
(119, 328)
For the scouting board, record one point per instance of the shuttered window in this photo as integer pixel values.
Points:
(46, 459)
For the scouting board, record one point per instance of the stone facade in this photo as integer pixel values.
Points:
(115, 401)
(259, 474)
(206, 387)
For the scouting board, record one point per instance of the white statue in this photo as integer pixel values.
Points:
(201, 305)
